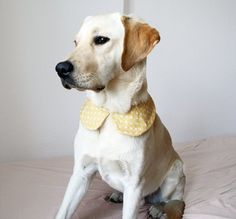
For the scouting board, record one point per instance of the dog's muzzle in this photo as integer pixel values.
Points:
(64, 70)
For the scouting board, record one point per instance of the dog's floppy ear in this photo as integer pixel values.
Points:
(139, 40)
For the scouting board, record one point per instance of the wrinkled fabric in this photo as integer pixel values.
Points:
(34, 189)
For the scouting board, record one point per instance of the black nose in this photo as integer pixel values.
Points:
(63, 69)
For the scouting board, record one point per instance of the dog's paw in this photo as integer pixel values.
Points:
(115, 197)
(174, 209)
(157, 211)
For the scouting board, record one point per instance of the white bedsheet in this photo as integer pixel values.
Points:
(211, 178)
(34, 189)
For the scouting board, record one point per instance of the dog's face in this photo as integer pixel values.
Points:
(106, 45)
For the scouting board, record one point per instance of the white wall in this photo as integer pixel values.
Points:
(191, 73)
(38, 117)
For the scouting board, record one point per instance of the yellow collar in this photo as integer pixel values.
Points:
(134, 123)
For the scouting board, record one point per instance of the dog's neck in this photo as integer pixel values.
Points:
(126, 89)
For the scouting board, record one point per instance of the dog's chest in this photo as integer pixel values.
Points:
(114, 172)
(118, 157)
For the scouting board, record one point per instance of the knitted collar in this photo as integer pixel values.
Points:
(133, 123)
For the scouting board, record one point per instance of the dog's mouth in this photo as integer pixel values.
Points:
(68, 85)
(98, 89)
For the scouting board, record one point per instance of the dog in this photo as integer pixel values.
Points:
(120, 134)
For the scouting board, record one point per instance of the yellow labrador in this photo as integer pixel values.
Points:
(120, 134)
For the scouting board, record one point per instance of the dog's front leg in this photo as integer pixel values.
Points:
(76, 189)
(131, 202)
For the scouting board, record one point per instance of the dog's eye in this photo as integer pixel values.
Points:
(100, 40)
(75, 42)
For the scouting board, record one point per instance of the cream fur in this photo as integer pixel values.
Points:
(136, 166)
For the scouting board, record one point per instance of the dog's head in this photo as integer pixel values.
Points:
(106, 45)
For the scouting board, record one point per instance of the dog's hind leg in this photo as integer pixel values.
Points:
(173, 209)
(170, 195)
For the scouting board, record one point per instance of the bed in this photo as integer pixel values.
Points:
(34, 189)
